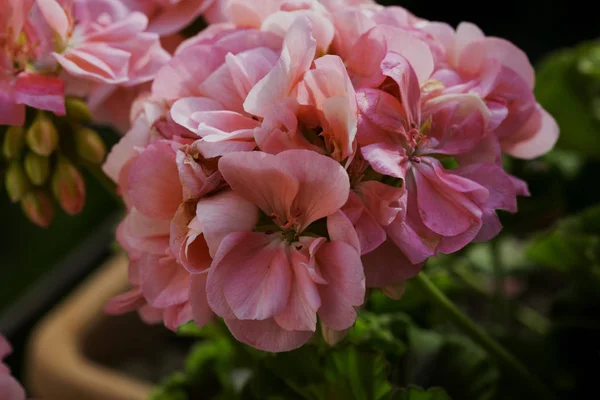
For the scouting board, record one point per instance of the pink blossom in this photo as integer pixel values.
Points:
(101, 40)
(19, 87)
(169, 16)
(300, 276)
(500, 73)
(10, 389)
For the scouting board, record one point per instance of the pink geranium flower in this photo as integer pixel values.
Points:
(270, 283)
(500, 73)
(10, 389)
(18, 87)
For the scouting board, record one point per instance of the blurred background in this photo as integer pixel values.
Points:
(41, 266)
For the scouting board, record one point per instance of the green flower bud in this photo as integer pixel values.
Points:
(68, 186)
(16, 182)
(42, 136)
(14, 140)
(37, 168)
(77, 110)
(89, 145)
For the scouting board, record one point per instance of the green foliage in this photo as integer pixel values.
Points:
(417, 393)
(568, 86)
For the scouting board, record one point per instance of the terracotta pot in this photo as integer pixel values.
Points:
(67, 348)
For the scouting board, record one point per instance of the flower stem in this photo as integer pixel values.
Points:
(512, 364)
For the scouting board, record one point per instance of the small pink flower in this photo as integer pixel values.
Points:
(270, 284)
(19, 87)
(10, 389)
(101, 40)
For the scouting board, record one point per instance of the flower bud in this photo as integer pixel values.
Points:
(331, 336)
(14, 140)
(77, 110)
(68, 186)
(37, 168)
(395, 292)
(37, 206)
(42, 136)
(90, 145)
(16, 182)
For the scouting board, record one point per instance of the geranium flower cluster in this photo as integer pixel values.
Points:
(298, 152)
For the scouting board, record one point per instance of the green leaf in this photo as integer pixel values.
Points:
(352, 374)
(417, 393)
(380, 331)
(453, 362)
(566, 86)
(172, 387)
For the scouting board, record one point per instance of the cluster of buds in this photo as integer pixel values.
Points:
(40, 161)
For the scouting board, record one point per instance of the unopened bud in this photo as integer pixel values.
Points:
(90, 146)
(37, 168)
(16, 182)
(68, 187)
(77, 110)
(331, 336)
(14, 140)
(37, 206)
(42, 136)
(395, 292)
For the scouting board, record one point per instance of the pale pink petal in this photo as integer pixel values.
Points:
(512, 57)
(250, 277)
(342, 269)
(250, 13)
(176, 16)
(56, 16)
(125, 302)
(11, 389)
(323, 184)
(177, 315)
(380, 113)
(382, 201)
(154, 186)
(296, 56)
(536, 137)
(187, 243)
(400, 70)
(11, 113)
(267, 335)
(183, 109)
(261, 179)
(224, 213)
(201, 310)
(340, 228)
(42, 92)
(322, 27)
(300, 313)
(164, 282)
(365, 59)
(416, 51)
(387, 159)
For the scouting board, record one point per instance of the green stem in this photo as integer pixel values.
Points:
(512, 364)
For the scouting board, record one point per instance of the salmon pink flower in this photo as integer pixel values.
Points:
(10, 389)
(271, 283)
(19, 43)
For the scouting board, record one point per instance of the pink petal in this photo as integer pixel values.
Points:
(414, 50)
(537, 137)
(250, 277)
(183, 109)
(340, 228)
(96, 61)
(380, 113)
(164, 282)
(56, 16)
(261, 179)
(182, 76)
(11, 113)
(300, 314)
(387, 159)
(5, 347)
(267, 335)
(442, 208)
(365, 60)
(186, 240)
(382, 201)
(323, 184)
(154, 186)
(222, 214)
(387, 265)
(400, 70)
(296, 57)
(342, 269)
(322, 27)
(201, 310)
(11, 389)
(125, 302)
(512, 57)
(176, 16)
(250, 13)
(177, 315)
(42, 92)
